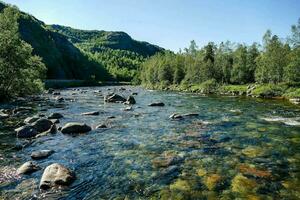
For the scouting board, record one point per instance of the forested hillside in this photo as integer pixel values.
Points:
(117, 51)
(89, 55)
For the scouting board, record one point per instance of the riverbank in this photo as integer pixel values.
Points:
(290, 92)
(57, 84)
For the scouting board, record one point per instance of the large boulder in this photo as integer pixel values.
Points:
(55, 116)
(26, 131)
(156, 104)
(75, 127)
(42, 125)
(56, 175)
(28, 168)
(114, 98)
(37, 155)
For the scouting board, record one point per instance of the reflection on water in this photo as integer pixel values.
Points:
(236, 148)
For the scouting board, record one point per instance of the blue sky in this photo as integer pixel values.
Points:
(172, 24)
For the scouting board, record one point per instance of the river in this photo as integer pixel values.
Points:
(236, 147)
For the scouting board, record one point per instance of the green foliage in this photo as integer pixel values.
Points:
(20, 71)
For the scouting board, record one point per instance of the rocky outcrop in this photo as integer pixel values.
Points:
(36, 155)
(56, 175)
(114, 98)
(28, 168)
(75, 127)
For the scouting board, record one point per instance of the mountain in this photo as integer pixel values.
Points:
(107, 39)
(77, 54)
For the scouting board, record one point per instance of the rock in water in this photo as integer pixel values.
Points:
(176, 116)
(101, 126)
(190, 115)
(56, 175)
(75, 128)
(91, 113)
(130, 100)
(27, 131)
(30, 120)
(55, 116)
(28, 167)
(114, 98)
(42, 125)
(3, 115)
(157, 104)
(36, 155)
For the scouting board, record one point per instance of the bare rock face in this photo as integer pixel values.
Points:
(42, 125)
(114, 98)
(28, 168)
(75, 127)
(56, 175)
(26, 131)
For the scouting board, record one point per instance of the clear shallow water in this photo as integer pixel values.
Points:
(236, 148)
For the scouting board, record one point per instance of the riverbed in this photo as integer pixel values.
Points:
(235, 147)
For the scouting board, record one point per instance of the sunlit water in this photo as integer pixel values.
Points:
(236, 148)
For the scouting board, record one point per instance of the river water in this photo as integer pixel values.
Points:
(237, 148)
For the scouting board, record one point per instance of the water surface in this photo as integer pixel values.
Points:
(236, 148)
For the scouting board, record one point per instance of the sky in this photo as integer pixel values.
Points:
(172, 24)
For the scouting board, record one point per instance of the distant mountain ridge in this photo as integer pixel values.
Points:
(65, 51)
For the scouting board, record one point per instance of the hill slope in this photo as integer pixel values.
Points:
(77, 54)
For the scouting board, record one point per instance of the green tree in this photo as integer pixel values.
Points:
(20, 71)
(239, 68)
(271, 63)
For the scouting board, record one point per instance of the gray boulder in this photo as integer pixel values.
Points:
(56, 175)
(28, 168)
(37, 155)
(75, 127)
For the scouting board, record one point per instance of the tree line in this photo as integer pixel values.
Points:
(274, 61)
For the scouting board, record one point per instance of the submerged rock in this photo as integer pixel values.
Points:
(75, 127)
(114, 98)
(56, 175)
(94, 113)
(28, 167)
(212, 181)
(26, 131)
(181, 185)
(42, 125)
(166, 161)
(242, 184)
(55, 116)
(252, 171)
(36, 155)
(159, 104)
